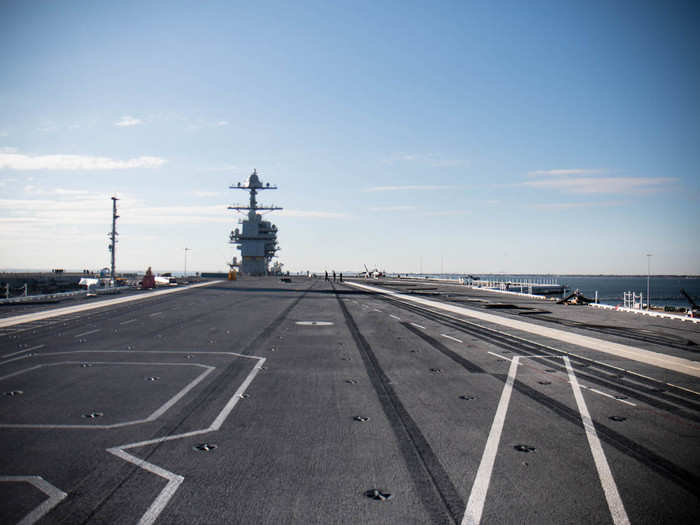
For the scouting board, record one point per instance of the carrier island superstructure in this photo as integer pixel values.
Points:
(257, 239)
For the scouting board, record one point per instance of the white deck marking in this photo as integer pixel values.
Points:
(155, 415)
(395, 317)
(25, 350)
(617, 509)
(477, 498)
(154, 314)
(55, 496)
(669, 362)
(88, 332)
(314, 323)
(26, 318)
(175, 480)
(599, 392)
(607, 395)
(500, 356)
(129, 321)
(418, 326)
(376, 310)
(453, 338)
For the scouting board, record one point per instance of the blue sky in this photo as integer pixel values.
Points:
(474, 137)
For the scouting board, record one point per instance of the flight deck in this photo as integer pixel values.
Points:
(369, 401)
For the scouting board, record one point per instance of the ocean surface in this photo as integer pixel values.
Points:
(665, 290)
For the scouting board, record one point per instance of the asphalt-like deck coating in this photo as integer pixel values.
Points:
(169, 370)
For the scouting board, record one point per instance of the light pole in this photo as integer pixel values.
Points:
(648, 277)
(185, 272)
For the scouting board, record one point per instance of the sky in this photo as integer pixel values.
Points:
(461, 137)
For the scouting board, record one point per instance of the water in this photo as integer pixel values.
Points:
(665, 290)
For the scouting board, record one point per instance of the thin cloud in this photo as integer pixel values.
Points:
(206, 193)
(393, 208)
(447, 213)
(95, 209)
(587, 185)
(574, 205)
(566, 172)
(431, 159)
(310, 214)
(408, 188)
(15, 161)
(36, 190)
(127, 121)
(222, 123)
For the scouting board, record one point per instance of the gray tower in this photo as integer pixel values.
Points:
(257, 239)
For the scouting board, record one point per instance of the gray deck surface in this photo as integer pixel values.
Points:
(290, 450)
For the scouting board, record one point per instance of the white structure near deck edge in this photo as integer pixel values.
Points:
(669, 362)
(47, 314)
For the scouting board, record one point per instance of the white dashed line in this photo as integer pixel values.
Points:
(129, 321)
(154, 314)
(418, 326)
(500, 356)
(661, 360)
(452, 338)
(89, 332)
(25, 350)
(395, 317)
(607, 395)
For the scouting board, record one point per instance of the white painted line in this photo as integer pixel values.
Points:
(669, 362)
(18, 372)
(55, 496)
(26, 318)
(683, 388)
(129, 321)
(607, 395)
(175, 480)
(418, 326)
(477, 498)
(617, 509)
(500, 356)
(376, 310)
(155, 415)
(25, 350)
(601, 393)
(395, 317)
(314, 323)
(216, 424)
(88, 332)
(154, 314)
(453, 338)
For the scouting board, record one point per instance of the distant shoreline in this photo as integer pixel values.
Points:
(348, 272)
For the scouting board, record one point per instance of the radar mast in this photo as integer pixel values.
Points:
(257, 239)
